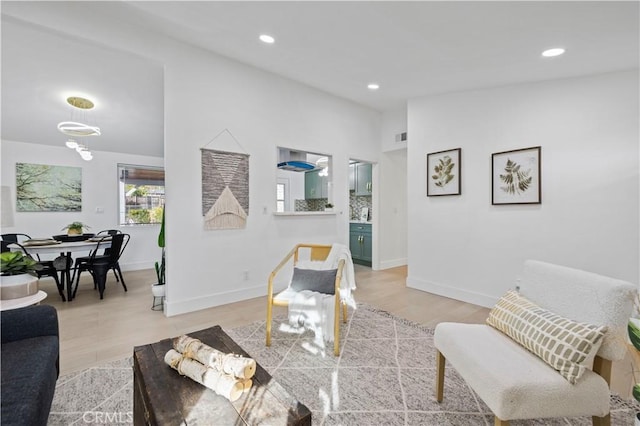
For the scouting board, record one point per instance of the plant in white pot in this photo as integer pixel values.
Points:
(19, 276)
(75, 228)
(158, 289)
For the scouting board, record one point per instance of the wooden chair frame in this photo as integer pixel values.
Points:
(318, 253)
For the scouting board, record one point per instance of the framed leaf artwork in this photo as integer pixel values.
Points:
(443, 172)
(516, 176)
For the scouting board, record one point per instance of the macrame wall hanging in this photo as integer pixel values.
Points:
(225, 186)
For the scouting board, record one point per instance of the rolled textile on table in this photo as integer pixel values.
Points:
(235, 365)
(222, 384)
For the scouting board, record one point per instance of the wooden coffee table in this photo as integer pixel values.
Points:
(164, 397)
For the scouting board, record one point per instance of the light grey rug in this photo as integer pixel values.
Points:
(384, 376)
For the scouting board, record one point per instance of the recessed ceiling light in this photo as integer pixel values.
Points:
(267, 38)
(373, 86)
(556, 51)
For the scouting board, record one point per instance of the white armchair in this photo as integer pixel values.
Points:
(517, 384)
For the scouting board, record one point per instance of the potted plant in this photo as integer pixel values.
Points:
(75, 228)
(328, 207)
(158, 288)
(18, 270)
(634, 335)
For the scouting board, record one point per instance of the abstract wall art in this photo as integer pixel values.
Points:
(45, 188)
(225, 189)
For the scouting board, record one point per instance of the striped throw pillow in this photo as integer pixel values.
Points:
(560, 342)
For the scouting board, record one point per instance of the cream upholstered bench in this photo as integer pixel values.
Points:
(517, 384)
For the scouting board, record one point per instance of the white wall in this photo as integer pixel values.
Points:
(465, 248)
(99, 189)
(391, 206)
(392, 234)
(393, 122)
(262, 111)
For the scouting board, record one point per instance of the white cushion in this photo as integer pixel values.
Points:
(585, 297)
(512, 381)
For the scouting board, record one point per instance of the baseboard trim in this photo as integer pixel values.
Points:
(394, 263)
(136, 266)
(217, 299)
(452, 292)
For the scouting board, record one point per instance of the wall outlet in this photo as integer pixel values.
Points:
(99, 209)
(245, 275)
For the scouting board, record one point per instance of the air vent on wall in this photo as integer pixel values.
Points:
(401, 137)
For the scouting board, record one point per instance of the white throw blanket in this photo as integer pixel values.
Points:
(315, 311)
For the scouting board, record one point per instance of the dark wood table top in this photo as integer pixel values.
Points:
(172, 399)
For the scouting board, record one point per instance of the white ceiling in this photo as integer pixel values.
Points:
(410, 48)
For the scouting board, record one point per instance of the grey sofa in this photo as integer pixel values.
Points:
(29, 364)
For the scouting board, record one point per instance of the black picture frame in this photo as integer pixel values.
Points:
(444, 173)
(516, 176)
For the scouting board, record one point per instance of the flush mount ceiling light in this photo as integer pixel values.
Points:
(78, 102)
(373, 86)
(550, 53)
(265, 38)
(75, 128)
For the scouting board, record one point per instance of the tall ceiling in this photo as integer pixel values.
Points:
(410, 49)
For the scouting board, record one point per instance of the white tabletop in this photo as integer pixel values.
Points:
(86, 245)
(21, 302)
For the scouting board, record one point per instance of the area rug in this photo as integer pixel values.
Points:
(385, 375)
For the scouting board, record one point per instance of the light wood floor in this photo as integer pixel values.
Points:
(93, 331)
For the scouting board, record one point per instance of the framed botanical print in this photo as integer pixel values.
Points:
(443, 172)
(516, 176)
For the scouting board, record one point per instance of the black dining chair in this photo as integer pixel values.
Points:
(47, 267)
(98, 265)
(84, 259)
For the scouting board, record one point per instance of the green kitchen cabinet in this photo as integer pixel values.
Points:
(315, 186)
(360, 243)
(362, 178)
(352, 177)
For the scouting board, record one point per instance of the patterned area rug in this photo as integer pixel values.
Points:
(385, 375)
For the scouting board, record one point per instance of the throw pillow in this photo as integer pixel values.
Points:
(562, 343)
(320, 280)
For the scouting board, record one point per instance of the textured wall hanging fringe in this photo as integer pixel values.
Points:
(225, 186)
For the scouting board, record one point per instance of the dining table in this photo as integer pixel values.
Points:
(64, 261)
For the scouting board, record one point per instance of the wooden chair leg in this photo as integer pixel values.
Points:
(440, 362)
(269, 313)
(336, 329)
(601, 421)
(499, 422)
(602, 367)
(344, 312)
